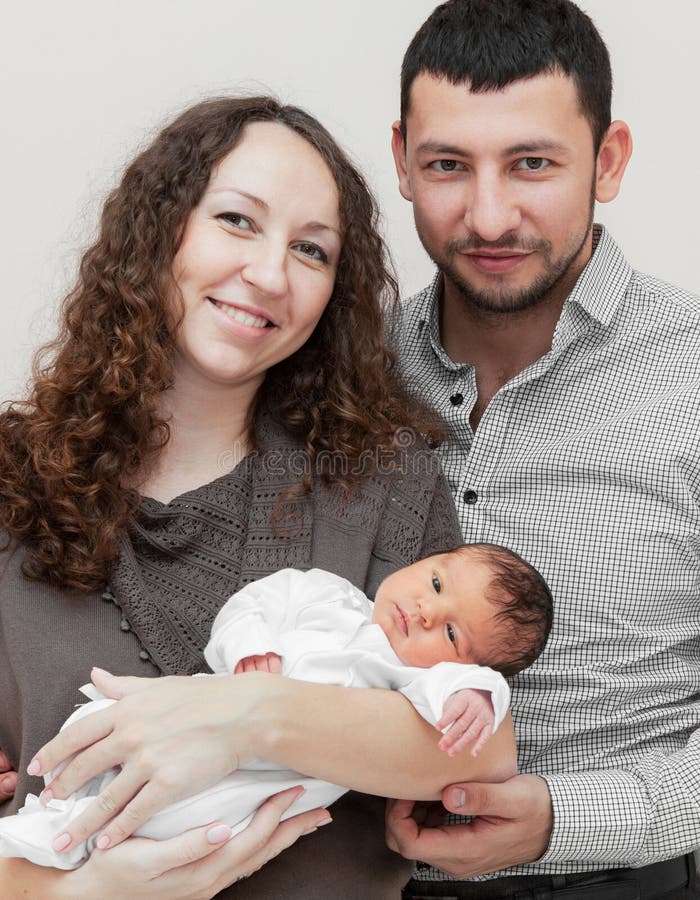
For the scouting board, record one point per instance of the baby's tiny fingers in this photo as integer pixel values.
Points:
(481, 741)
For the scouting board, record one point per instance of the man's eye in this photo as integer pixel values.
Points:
(451, 633)
(242, 223)
(446, 165)
(436, 584)
(311, 250)
(532, 164)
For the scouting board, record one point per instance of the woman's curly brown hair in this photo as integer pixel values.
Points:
(92, 420)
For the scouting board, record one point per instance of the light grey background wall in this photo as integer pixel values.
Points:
(84, 83)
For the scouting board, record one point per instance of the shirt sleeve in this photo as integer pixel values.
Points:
(628, 817)
(428, 689)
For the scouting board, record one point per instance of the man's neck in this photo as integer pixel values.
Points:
(500, 345)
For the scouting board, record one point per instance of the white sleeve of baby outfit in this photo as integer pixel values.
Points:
(428, 689)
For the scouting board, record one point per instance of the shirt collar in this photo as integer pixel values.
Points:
(602, 285)
(599, 292)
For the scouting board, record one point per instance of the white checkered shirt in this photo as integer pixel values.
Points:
(588, 464)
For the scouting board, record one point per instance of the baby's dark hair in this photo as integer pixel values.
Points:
(523, 603)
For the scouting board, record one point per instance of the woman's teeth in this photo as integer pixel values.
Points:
(240, 316)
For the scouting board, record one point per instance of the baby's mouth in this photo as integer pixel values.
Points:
(402, 620)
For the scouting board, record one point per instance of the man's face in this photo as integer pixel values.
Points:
(502, 185)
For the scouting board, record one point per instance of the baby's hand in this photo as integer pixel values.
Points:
(470, 717)
(270, 662)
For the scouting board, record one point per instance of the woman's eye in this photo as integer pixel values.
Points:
(312, 250)
(446, 165)
(451, 633)
(436, 584)
(242, 223)
(532, 164)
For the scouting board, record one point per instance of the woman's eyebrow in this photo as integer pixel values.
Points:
(225, 189)
(258, 201)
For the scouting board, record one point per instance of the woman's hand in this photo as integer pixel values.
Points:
(8, 777)
(172, 737)
(197, 864)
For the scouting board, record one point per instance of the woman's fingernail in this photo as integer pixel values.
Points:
(218, 833)
(46, 796)
(102, 842)
(61, 841)
(326, 820)
(310, 831)
(34, 768)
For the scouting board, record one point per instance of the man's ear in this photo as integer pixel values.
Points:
(398, 148)
(613, 156)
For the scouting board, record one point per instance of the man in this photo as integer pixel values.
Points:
(571, 386)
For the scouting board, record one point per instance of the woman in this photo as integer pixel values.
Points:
(219, 405)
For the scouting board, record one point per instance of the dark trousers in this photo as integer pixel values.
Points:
(673, 879)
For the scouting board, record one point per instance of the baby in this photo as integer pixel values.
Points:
(440, 631)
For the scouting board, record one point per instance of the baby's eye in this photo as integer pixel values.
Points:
(436, 584)
(451, 633)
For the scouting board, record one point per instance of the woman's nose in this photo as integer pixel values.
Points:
(266, 268)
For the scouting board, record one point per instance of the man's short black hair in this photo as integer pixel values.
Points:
(523, 608)
(492, 43)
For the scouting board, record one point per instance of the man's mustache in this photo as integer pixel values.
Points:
(506, 242)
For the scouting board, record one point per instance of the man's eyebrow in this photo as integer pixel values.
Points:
(532, 148)
(445, 149)
(526, 148)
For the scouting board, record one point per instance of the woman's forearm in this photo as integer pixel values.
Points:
(22, 880)
(369, 740)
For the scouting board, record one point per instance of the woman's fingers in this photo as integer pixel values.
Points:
(103, 809)
(262, 840)
(72, 739)
(118, 686)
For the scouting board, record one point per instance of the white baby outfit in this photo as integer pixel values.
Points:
(321, 626)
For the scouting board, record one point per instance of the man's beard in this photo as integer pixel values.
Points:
(506, 300)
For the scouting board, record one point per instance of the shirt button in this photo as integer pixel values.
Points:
(470, 497)
(456, 399)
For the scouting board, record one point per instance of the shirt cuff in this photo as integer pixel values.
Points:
(599, 817)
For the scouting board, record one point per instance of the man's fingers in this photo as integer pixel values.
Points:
(5, 764)
(475, 799)
(8, 784)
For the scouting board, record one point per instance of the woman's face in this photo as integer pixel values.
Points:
(258, 259)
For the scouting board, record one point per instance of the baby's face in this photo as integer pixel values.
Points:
(436, 610)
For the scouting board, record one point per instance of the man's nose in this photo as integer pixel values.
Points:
(492, 207)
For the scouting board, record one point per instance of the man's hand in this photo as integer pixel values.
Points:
(470, 717)
(513, 825)
(8, 778)
(270, 662)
